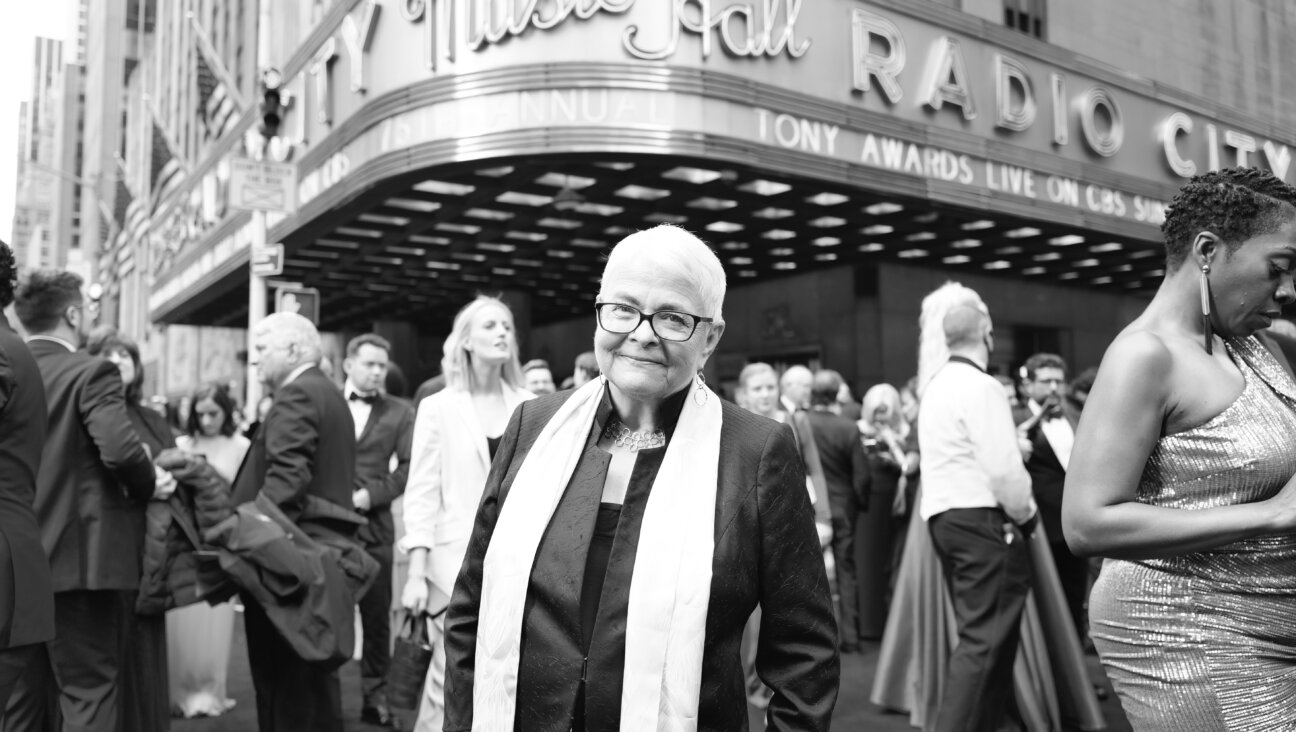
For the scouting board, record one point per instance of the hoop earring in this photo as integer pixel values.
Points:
(701, 390)
(1205, 307)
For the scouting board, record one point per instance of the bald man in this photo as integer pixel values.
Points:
(976, 499)
(794, 388)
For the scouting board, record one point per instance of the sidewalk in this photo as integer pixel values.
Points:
(853, 713)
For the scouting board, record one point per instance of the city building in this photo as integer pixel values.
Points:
(844, 157)
(33, 241)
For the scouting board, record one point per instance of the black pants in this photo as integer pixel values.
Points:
(13, 664)
(292, 695)
(845, 514)
(375, 618)
(77, 674)
(989, 577)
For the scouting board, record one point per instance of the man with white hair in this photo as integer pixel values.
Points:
(305, 447)
(794, 386)
(976, 500)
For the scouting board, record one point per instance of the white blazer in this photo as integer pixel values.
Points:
(449, 463)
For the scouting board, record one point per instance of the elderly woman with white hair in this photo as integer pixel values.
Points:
(630, 527)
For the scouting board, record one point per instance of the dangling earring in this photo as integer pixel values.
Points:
(701, 390)
(1205, 307)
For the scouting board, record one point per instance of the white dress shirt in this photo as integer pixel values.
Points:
(968, 446)
(1058, 432)
(360, 410)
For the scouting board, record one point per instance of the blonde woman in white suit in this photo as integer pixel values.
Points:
(456, 432)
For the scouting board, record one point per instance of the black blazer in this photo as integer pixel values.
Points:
(26, 595)
(766, 551)
(1046, 472)
(95, 478)
(389, 431)
(841, 452)
(306, 447)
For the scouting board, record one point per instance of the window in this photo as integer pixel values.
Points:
(1027, 16)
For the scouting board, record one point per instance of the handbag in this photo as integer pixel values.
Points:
(409, 663)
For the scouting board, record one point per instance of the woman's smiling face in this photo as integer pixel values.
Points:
(639, 364)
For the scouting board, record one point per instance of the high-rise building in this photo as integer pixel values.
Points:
(36, 182)
(65, 224)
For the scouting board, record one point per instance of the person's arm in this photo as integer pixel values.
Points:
(990, 427)
(1121, 424)
(796, 654)
(102, 408)
(291, 437)
(422, 502)
(392, 486)
(465, 602)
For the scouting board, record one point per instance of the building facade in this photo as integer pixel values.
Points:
(34, 244)
(843, 157)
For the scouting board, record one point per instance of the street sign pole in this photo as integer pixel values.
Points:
(256, 308)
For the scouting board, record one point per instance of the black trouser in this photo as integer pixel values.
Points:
(292, 695)
(13, 664)
(375, 618)
(845, 513)
(989, 577)
(77, 673)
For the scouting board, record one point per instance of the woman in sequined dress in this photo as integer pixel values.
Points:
(1181, 475)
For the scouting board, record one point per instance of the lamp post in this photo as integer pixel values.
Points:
(259, 140)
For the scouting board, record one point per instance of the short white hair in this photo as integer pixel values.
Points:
(933, 351)
(296, 330)
(668, 245)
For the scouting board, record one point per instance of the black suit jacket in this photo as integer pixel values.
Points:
(766, 551)
(306, 447)
(26, 593)
(95, 478)
(389, 431)
(1046, 472)
(841, 452)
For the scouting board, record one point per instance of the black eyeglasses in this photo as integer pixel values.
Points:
(669, 325)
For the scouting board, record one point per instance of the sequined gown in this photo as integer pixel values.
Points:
(1207, 641)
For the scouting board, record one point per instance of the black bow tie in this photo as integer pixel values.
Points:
(356, 396)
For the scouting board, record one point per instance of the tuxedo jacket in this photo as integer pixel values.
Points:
(1046, 472)
(447, 474)
(306, 447)
(766, 551)
(845, 467)
(26, 593)
(389, 431)
(95, 478)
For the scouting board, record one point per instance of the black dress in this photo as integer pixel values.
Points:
(144, 687)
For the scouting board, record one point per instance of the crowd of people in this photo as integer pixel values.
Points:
(631, 549)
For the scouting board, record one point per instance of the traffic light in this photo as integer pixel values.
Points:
(271, 103)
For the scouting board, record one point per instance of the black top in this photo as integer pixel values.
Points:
(492, 444)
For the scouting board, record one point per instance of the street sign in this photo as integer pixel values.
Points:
(304, 301)
(268, 261)
(262, 185)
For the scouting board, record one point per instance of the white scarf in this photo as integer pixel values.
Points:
(665, 630)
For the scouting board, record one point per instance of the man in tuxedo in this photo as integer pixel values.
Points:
(1048, 421)
(384, 429)
(91, 491)
(305, 447)
(26, 593)
(845, 470)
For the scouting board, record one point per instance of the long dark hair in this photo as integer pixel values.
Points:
(105, 340)
(220, 395)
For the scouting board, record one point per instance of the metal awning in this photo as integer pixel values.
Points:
(419, 246)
